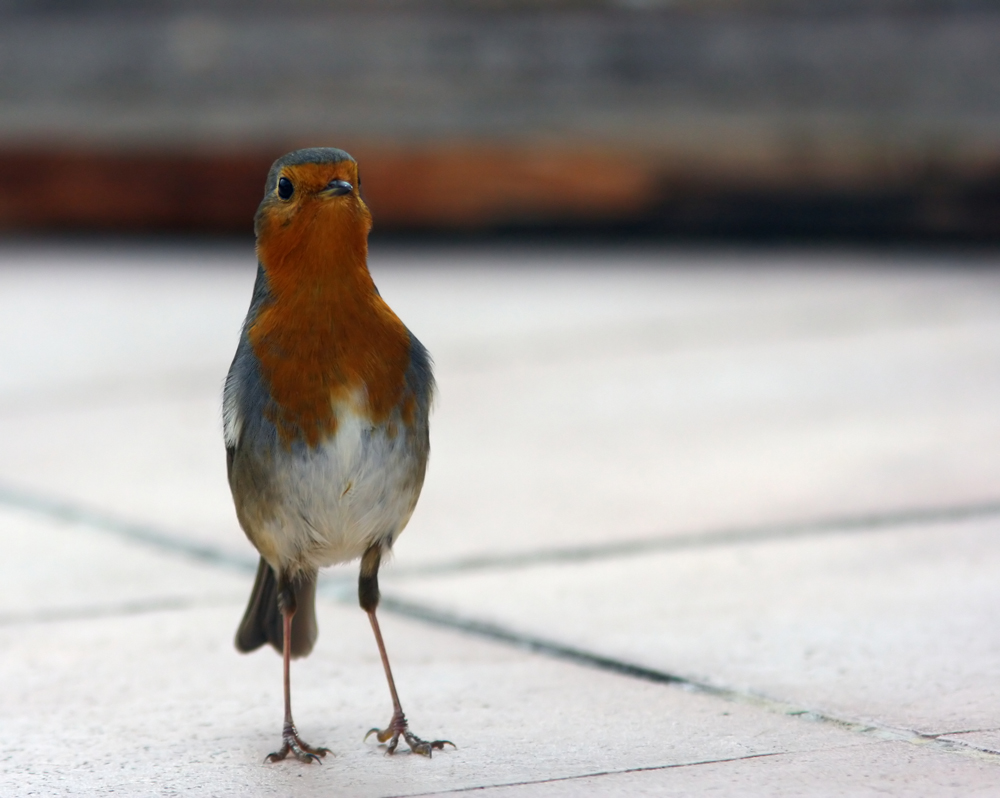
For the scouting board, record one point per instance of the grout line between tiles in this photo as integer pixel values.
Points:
(165, 540)
(70, 513)
(710, 538)
(579, 656)
(598, 774)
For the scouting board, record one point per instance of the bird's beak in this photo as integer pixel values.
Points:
(337, 188)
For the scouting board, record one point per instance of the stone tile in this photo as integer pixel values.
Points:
(894, 627)
(161, 704)
(797, 446)
(716, 396)
(107, 690)
(725, 390)
(52, 569)
(110, 391)
(648, 444)
(875, 769)
(89, 323)
(483, 307)
(160, 463)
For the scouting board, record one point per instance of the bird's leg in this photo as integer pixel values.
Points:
(368, 595)
(291, 743)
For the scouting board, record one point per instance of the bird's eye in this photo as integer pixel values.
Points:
(285, 188)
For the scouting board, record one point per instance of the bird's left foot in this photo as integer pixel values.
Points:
(397, 728)
(294, 745)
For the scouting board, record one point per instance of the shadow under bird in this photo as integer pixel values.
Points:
(326, 417)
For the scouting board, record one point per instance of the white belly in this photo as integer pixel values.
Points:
(358, 487)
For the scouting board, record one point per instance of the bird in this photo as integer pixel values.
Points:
(325, 418)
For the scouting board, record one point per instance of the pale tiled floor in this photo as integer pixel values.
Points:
(695, 523)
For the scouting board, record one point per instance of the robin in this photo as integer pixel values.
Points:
(326, 417)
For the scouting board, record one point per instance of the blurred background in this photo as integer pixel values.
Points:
(858, 119)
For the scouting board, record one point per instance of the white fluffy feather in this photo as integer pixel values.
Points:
(355, 488)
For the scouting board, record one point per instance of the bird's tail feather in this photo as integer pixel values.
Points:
(262, 622)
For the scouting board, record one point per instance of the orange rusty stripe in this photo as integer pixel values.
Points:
(327, 337)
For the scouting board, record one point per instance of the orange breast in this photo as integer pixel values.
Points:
(327, 337)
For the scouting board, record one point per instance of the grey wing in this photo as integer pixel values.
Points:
(420, 381)
(420, 376)
(244, 397)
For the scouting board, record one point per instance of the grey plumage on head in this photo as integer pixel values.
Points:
(318, 155)
(309, 155)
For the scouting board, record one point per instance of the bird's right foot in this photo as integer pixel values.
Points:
(293, 744)
(398, 727)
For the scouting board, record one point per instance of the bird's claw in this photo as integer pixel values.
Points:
(294, 745)
(398, 728)
(425, 747)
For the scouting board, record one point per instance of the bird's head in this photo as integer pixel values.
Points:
(312, 208)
